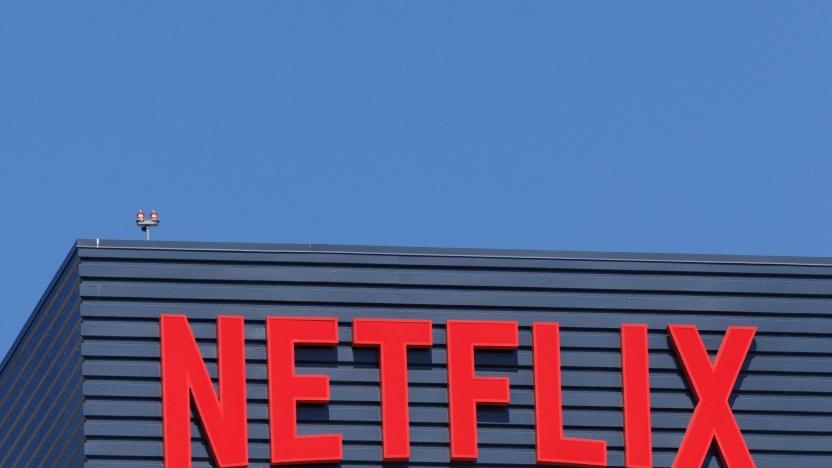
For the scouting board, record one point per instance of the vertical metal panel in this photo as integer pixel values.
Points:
(40, 383)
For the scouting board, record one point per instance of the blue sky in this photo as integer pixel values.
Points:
(628, 126)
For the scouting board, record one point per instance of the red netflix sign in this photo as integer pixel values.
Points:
(185, 379)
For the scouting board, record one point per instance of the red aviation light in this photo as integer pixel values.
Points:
(146, 224)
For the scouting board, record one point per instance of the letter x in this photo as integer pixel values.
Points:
(712, 384)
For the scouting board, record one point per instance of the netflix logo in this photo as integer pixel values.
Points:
(185, 379)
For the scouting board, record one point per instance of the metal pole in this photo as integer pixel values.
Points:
(147, 233)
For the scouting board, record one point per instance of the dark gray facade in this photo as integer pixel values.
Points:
(41, 420)
(81, 385)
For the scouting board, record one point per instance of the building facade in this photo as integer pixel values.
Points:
(83, 384)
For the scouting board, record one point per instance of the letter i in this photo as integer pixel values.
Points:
(635, 376)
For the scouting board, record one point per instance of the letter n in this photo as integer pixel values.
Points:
(184, 376)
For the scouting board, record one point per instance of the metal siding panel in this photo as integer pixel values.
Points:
(482, 278)
(141, 416)
(471, 298)
(783, 401)
(577, 377)
(38, 339)
(48, 407)
(520, 361)
(650, 264)
(40, 384)
(717, 321)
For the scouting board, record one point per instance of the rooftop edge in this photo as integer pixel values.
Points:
(452, 252)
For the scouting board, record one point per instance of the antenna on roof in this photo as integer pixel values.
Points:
(144, 223)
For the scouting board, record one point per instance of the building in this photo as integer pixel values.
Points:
(81, 385)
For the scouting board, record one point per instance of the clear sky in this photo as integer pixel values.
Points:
(631, 126)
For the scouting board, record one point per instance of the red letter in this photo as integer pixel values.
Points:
(465, 389)
(184, 374)
(635, 374)
(712, 384)
(552, 446)
(393, 337)
(286, 390)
